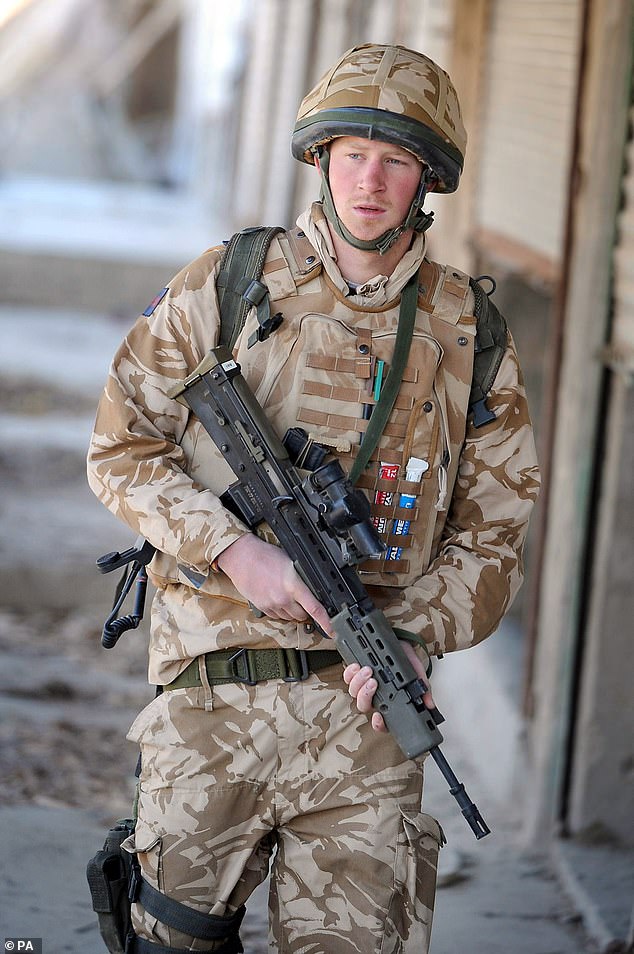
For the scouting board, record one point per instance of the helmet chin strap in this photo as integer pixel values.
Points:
(415, 219)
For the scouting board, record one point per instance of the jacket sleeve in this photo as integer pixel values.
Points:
(478, 567)
(136, 465)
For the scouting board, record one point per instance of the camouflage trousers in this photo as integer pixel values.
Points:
(286, 776)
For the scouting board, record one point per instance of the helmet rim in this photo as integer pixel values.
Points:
(445, 160)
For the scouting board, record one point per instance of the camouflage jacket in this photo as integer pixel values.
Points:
(455, 533)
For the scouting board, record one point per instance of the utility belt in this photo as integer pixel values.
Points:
(250, 666)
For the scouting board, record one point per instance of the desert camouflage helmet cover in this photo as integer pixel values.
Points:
(389, 93)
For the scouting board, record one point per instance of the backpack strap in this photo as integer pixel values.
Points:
(240, 289)
(490, 345)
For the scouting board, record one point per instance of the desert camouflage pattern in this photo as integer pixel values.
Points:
(152, 464)
(391, 78)
(234, 774)
(234, 777)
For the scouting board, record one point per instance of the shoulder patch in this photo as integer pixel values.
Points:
(452, 294)
(302, 258)
(156, 302)
(427, 284)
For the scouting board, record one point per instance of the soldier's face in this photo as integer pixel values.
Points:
(373, 184)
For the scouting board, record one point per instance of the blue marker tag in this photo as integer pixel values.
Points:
(401, 527)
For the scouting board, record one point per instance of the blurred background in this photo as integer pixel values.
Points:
(136, 133)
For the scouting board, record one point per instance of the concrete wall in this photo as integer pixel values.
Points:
(602, 778)
(571, 645)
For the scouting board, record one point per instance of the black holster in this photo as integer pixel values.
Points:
(115, 882)
(109, 874)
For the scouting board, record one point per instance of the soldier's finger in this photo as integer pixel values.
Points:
(365, 695)
(313, 609)
(359, 681)
(378, 723)
(428, 700)
(350, 672)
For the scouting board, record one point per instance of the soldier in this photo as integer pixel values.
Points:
(288, 773)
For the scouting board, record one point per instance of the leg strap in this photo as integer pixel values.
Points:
(207, 927)
(138, 945)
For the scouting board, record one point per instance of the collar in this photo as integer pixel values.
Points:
(379, 290)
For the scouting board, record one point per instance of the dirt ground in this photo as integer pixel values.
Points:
(63, 698)
(67, 748)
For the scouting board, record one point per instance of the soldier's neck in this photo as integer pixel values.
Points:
(358, 266)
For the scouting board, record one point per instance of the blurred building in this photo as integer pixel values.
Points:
(197, 99)
(546, 205)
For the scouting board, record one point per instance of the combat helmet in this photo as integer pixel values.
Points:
(393, 94)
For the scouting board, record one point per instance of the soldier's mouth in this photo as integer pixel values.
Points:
(369, 211)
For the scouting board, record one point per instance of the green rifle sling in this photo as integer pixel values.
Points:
(389, 392)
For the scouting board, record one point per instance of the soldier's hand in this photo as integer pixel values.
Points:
(362, 685)
(266, 577)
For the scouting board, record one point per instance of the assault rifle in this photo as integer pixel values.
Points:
(322, 522)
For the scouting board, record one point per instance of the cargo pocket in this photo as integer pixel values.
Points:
(409, 917)
(145, 720)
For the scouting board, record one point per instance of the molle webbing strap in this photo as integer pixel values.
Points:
(490, 345)
(238, 285)
(382, 410)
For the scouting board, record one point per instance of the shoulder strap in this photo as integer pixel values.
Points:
(239, 288)
(490, 345)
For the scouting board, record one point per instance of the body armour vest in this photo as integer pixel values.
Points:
(322, 370)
